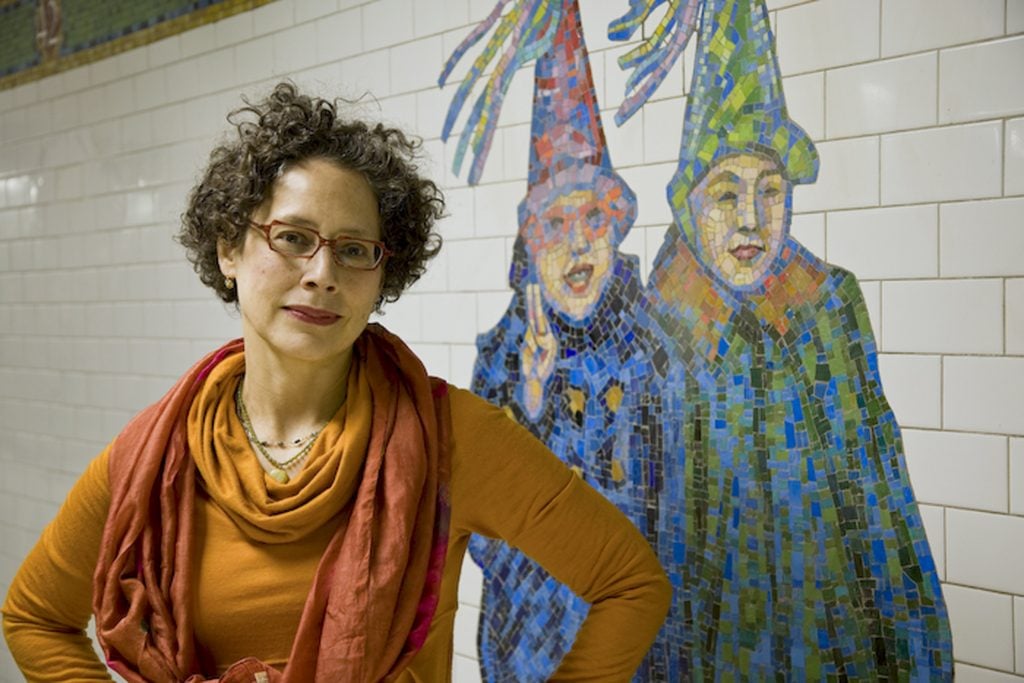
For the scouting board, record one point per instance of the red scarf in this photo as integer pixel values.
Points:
(377, 585)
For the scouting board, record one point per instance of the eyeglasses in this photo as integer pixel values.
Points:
(347, 252)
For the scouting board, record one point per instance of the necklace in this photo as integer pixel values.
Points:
(278, 471)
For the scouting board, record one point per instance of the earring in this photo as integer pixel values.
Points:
(229, 283)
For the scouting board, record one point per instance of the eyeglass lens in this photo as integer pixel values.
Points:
(348, 251)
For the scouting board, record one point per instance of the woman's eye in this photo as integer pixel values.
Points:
(770, 191)
(354, 250)
(292, 238)
(726, 196)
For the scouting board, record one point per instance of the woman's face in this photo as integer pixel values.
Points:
(739, 209)
(571, 250)
(307, 309)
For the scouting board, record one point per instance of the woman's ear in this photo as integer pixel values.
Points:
(227, 258)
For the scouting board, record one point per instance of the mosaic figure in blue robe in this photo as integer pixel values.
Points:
(786, 519)
(567, 359)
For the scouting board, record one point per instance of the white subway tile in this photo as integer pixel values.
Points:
(595, 19)
(430, 18)
(339, 35)
(496, 208)
(626, 142)
(151, 88)
(893, 242)
(847, 177)
(962, 470)
(826, 33)
(465, 669)
(929, 165)
(477, 265)
(314, 9)
(1014, 159)
(809, 230)
(983, 394)
(943, 316)
(414, 66)
(367, 72)
(448, 320)
(881, 96)
(183, 79)
(431, 110)
(490, 308)
(934, 519)
(387, 22)
(459, 221)
(233, 29)
(805, 100)
(981, 623)
(915, 25)
(1017, 477)
(273, 17)
(434, 356)
(404, 317)
(1018, 630)
(663, 122)
(466, 620)
(471, 583)
(1015, 24)
(517, 160)
(985, 550)
(198, 40)
(460, 372)
(872, 292)
(294, 49)
(913, 387)
(164, 51)
(973, 81)
(649, 183)
(982, 238)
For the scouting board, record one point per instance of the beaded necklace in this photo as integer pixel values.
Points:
(278, 471)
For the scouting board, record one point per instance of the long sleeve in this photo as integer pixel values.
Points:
(506, 484)
(49, 601)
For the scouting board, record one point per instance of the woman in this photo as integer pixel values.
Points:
(296, 508)
(786, 521)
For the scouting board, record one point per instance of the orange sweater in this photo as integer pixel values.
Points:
(249, 595)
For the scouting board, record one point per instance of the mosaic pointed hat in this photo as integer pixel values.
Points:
(568, 151)
(736, 103)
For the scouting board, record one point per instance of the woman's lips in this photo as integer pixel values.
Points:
(313, 316)
(747, 252)
(578, 278)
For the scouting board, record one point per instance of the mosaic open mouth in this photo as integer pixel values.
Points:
(578, 277)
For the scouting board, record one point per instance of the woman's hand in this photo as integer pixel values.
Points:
(538, 355)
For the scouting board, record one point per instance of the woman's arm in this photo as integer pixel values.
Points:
(508, 485)
(50, 599)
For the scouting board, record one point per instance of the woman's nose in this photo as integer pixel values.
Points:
(321, 271)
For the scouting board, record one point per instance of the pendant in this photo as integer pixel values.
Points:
(279, 475)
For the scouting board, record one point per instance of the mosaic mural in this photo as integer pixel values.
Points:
(41, 37)
(732, 406)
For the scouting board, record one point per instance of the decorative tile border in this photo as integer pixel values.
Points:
(33, 32)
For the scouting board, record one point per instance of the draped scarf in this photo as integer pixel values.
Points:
(377, 585)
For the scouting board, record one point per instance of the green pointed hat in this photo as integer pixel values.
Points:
(736, 103)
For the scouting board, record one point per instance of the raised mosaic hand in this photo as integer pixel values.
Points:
(538, 354)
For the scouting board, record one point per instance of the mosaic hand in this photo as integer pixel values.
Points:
(538, 355)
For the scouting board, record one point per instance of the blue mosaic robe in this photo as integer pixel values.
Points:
(591, 406)
(787, 522)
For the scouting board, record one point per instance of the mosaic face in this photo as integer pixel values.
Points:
(571, 250)
(739, 209)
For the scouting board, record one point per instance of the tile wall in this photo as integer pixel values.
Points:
(918, 112)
